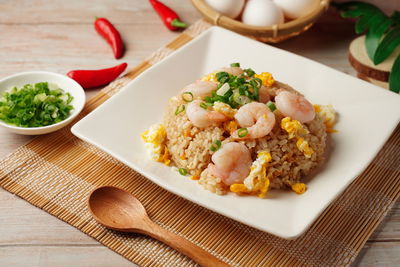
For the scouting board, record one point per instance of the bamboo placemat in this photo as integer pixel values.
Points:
(56, 172)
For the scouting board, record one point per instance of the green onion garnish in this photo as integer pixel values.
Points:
(240, 99)
(255, 83)
(271, 106)
(235, 65)
(215, 146)
(242, 132)
(222, 76)
(249, 72)
(235, 90)
(203, 105)
(223, 89)
(187, 96)
(183, 171)
(180, 109)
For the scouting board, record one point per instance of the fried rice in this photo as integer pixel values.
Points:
(187, 147)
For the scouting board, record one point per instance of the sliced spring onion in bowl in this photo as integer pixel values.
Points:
(54, 101)
(35, 105)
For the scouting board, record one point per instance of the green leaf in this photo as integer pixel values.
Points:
(387, 45)
(394, 77)
(375, 33)
(396, 17)
(355, 9)
(366, 22)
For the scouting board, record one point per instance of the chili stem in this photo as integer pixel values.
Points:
(179, 24)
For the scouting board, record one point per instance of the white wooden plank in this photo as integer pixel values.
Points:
(38, 256)
(59, 36)
(23, 224)
(378, 254)
(84, 12)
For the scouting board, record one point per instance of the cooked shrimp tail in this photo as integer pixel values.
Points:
(201, 117)
(231, 163)
(236, 71)
(257, 120)
(295, 106)
(200, 89)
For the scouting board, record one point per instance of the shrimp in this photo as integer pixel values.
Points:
(257, 118)
(231, 163)
(201, 117)
(200, 88)
(264, 96)
(236, 71)
(294, 106)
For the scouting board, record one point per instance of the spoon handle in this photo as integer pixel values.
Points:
(182, 245)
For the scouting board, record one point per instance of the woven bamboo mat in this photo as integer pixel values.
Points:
(56, 172)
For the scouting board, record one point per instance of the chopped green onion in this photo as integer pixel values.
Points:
(271, 106)
(208, 99)
(183, 171)
(187, 96)
(224, 79)
(235, 90)
(215, 146)
(235, 65)
(242, 132)
(256, 93)
(204, 105)
(240, 99)
(242, 89)
(255, 83)
(180, 109)
(222, 76)
(224, 88)
(249, 72)
(35, 105)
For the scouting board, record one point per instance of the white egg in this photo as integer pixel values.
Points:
(230, 8)
(294, 9)
(262, 13)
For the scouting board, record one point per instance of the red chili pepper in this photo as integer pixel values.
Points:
(111, 35)
(96, 78)
(168, 16)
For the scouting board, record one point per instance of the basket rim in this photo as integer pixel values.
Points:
(275, 30)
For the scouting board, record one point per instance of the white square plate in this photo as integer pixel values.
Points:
(368, 115)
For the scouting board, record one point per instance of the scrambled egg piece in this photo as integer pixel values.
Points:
(225, 109)
(209, 77)
(230, 126)
(328, 114)
(295, 129)
(257, 181)
(266, 78)
(154, 139)
(299, 188)
(304, 147)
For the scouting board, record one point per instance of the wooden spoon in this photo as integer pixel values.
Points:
(119, 210)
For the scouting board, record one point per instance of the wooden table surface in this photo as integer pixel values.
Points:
(58, 36)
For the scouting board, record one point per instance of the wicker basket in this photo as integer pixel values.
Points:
(270, 34)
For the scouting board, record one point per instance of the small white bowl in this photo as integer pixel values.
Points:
(31, 77)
